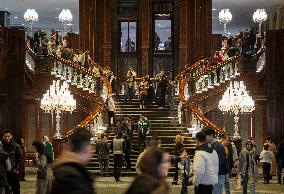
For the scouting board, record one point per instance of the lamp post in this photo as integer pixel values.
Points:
(31, 17)
(225, 17)
(58, 99)
(65, 17)
(259, 17)
(236, 100)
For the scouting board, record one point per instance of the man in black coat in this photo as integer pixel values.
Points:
(280, 160)
(16, 157)
(70, 174)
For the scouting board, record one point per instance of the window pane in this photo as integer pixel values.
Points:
(128, 36)
(132, 36)
(162, 36)
(124, 36)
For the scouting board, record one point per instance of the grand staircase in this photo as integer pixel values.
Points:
(164, 125)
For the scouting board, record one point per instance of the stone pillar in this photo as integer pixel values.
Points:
(144, 10)
(183, 34)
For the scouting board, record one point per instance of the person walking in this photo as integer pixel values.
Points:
(69, 172)
(266, 157)
(248, 167)
(280, 160)
(152, 167)
(273, 149)
(118, 148)
(102, 150)
(16, 157)
(40, 162)
(223, 162)
(205, 166)
(5, 166)
(143, 127)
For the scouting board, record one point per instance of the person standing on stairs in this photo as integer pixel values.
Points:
(179, 146)
(161, 92)
(118, 148)
(143, 127)
(131, 85)
(102, 150)
(143, 90)
(110, 110)
(125, 129)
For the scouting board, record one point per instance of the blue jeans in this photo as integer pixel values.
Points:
(218, 188)
(245, 185)
(184, 185)
(227, 183)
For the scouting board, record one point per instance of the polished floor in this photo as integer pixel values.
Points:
(107, 185)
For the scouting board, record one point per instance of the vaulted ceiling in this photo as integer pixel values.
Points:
(48, 10)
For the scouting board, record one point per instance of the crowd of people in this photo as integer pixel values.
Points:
(159, 89)
(214, 162)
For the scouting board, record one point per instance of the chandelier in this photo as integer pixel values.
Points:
(65, 17)
(236, 100)
(259, 17)
(58, 99)
(225, 17)
(31, 17)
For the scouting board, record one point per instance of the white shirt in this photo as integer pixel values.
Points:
(266, 156)
(205, 168)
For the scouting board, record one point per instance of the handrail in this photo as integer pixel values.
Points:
(88, 72)
(199, 73)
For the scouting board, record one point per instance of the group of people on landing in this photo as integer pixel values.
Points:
(148, 91)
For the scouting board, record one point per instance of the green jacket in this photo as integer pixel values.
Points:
(143, 126)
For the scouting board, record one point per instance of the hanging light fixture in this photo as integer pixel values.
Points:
(65, 17)
(259, 17)
(236, 100)
(58, 99)
(31, 17)
(225, 17)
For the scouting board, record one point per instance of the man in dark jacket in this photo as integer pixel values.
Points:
(102, 150)
(223, 162)
(280, 160)
(125, 129)
(70, 174)
(3, 168)
(16, 157)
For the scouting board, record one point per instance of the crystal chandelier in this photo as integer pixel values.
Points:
(236, 100)
(259, 17)
(58, 99)
(31, 17)
(65, 17)
(225, 17)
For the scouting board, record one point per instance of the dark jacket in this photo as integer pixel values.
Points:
(3, 177)
(15, 154)
(280, 151)
(144, 184)
(70, 177)
(102, 149)
(223, 162)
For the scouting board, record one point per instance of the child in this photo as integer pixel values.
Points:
(185, 169)
(266, 158)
